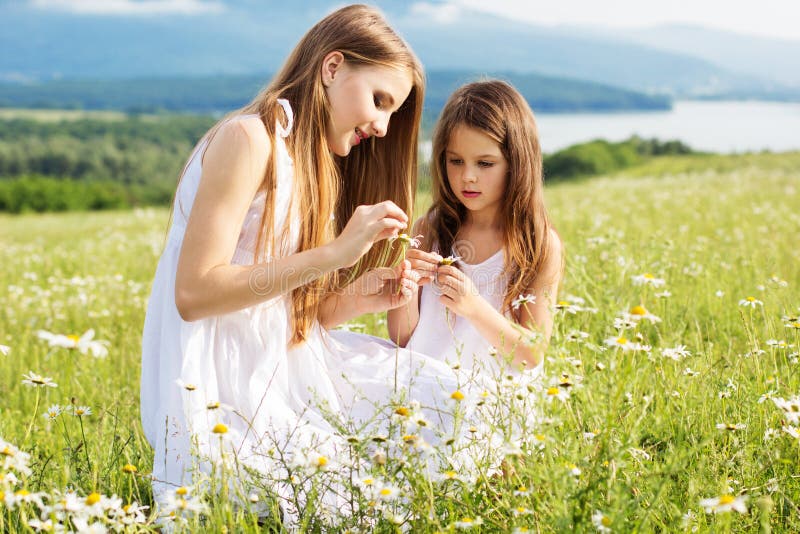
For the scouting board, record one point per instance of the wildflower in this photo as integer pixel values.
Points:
(730, 427)
(177, 505)
(184, 385)
(725, 503)
(407, 241)
(647, 279)
(601, 522)
(638, 313)
(4, 350)
(770, 434)
(719, 293)
(522, 300)
(457, 395)
(84, 343)
(567, 307)
(782, 344)
(129, 468)
(468, 522)
(34, 380)
(599, 366)
(520, 530)
(42, 526)
(769, 395)
(576, 336)
(219, 428)
(792, 431)
(621, 342)
(663, 294)
(521, 510)
(574, 469)
(752, 302)
(790, 407)
(676, 353)
(449, 260)
(688, 372)
(387, 492)
(52, 412)
(80, 411)
(556, 392)
(793, 324)
(522, 491)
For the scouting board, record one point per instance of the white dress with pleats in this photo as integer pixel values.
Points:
(235, 369)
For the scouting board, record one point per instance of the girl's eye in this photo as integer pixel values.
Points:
(455, 161)
(378, 101)
(485, 164)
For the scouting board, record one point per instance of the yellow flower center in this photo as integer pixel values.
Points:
(126, 508)
(385, 492)
(552, 391)
(129, 468)
(726, 499)
(606, 521)
(621, 341)
(403, 411)
(522, 489)
(467, 520)
(457, 395)
(450, 474)
(410, 438)
(751, 299)
(322, 461)
(638, 310)
(7, 451)
(74, 338)
(92, 499)
(183, 490)
(22, 493)
(648, 276)
(368, 481)
(540, 437)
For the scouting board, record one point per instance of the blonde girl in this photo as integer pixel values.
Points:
(280, 217)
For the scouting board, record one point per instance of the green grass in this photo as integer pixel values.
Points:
(704, 224)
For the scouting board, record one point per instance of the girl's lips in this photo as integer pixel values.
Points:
(359, 136)
(470, 194)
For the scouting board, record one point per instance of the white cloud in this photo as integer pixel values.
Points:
(445, 13)
(131, 7)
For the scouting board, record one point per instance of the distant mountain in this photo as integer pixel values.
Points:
(246, 36)
(776, 60)
(222, 93)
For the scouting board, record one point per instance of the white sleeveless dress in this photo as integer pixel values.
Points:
(235, 369)
(452, 339)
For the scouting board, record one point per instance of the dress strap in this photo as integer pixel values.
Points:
(284, 132)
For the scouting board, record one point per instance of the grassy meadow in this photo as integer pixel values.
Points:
(677, 334)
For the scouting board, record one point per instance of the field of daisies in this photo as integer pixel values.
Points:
(670, 399)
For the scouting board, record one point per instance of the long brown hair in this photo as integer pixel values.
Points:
(328, 188)
(497, 109)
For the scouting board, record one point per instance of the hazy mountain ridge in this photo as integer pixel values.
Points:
(250, 36)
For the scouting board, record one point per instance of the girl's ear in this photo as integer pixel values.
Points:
(331, 66)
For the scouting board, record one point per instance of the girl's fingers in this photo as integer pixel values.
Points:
(387, 208)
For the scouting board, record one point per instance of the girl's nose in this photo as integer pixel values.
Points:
(380, 126)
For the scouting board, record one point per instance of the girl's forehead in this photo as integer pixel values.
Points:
(468, 138)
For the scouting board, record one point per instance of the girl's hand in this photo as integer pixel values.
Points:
(384, 288)
(458, 292)
(424, 264)
(367, 225)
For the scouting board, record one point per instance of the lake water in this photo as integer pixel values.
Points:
(729, 126)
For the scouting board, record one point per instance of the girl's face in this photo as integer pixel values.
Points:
(476, 169)
(361, 101)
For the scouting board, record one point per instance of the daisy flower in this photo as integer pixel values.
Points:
(468, 523)
(555, 392)
(449, 260)
(83, 344)
(52, 412)
(647, 279)
(663, 294)
(601, 522)
(80, 411)
(675, 353)
(407, 241)
(523, 299)
(751, 302)
(4, 350)
(36, 381)
(639, 312)
(725, 503)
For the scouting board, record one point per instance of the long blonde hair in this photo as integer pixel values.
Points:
(495, 108)
(328, 188)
